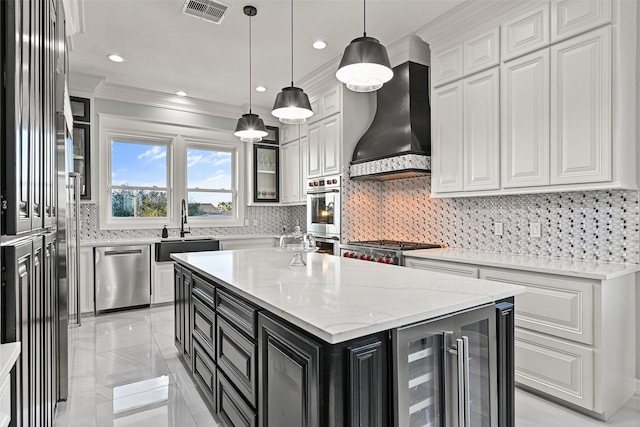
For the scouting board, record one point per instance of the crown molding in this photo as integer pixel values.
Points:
(468, 18)
(80, 82)
(151, 98)
(409, 48)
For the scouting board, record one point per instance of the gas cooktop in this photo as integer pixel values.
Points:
(393, 245)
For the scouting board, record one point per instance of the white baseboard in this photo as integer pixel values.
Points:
(637, 387)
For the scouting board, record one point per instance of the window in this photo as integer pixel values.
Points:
(150, 167)
(210, 190)
(138, 178)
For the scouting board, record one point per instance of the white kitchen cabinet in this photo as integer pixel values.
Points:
(447, 141)
(325, 147)
(566, 111)
(482, 52)
(525, 33)
(525, 121)
(466, 135)
(325, 103)
(572, 17)
(447, 66)
(289, 133)
(581, 134)
(481, 132)
(290, 172)
(162, 276)
(575, 337)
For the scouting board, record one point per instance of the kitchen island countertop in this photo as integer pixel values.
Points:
(337, 299)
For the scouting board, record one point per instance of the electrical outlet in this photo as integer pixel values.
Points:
(534, 229)
(255, 222)
(246, 222)
(497, 227)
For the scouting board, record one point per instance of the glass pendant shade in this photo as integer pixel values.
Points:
(250, 128)
(292, 106)
(365, 65)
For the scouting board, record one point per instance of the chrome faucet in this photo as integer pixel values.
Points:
(183, 220)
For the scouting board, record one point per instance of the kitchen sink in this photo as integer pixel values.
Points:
(165, 248)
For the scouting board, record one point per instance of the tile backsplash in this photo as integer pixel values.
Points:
(270, 221)
(593, 225)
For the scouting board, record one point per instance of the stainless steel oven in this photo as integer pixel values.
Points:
(328, 244)
(323, 206)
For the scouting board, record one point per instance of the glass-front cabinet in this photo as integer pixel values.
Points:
(266, 173)
(446, 373)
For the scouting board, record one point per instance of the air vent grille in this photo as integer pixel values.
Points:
(212, 11)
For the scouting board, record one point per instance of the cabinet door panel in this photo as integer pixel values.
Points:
(314, 150)
(331, 147)
(556, 367)
(289, 368)
(572, 17)
(204, 371)
(447, 66)
(232, 410)
(581, 109)
(331, 101)
(481, 132)
(304, 167)
(525, 121)
(525, 34)
(447, 139)
(236, 356)
(482, 52)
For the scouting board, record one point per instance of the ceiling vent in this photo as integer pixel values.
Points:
(209, 10)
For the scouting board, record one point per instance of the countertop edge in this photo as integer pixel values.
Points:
(9, 353)
(446, 254)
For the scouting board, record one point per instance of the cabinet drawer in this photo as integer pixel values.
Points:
(204, 289)
(232, 410)
(559, 307)
(204, 323)
(442, 267)
(570, 18)
(204, 371)
(236, 356)
(556, 367)
(238, 312)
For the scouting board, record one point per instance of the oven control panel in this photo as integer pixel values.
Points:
(323, 183)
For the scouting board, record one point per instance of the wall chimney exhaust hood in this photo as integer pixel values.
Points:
(398, 142)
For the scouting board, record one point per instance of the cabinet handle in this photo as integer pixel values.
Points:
(464, 406)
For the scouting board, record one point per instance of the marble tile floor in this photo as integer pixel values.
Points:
(124, 371)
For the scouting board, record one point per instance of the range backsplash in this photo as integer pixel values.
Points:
(594, 225)
(270, 219)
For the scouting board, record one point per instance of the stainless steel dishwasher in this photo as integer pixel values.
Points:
(122, 277)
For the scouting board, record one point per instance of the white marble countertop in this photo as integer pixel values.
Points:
(9, 353)
(338, 299)
(566, 267)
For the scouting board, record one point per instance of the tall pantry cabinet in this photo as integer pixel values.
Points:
(33, 52)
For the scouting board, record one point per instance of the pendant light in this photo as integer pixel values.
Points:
(365, 65)
(292, 104)
(250, 127)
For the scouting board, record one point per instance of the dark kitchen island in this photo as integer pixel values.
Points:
(342, 343)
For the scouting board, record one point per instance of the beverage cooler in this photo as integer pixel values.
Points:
(448, 371)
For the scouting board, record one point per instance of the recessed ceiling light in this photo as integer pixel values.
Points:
(319, 44)
(115, 58)
(261, 89)
(181, 93)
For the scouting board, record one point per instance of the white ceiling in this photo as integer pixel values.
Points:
(166, 51)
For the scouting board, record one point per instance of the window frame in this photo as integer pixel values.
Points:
(178, 139)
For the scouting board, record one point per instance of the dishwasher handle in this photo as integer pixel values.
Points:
(123, 252)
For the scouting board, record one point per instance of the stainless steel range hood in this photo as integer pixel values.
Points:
(398, 142)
